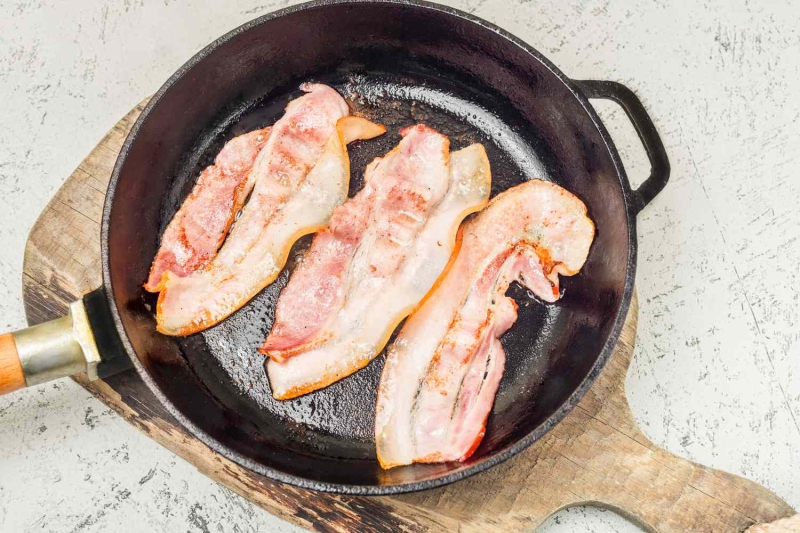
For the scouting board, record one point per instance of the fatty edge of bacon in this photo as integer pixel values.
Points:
(211, 295)
(442, 372)
(468, 191)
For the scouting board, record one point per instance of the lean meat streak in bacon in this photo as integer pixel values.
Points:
(299, 177)
(382, 253)
(443, 370)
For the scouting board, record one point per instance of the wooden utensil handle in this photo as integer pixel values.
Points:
(11, 376)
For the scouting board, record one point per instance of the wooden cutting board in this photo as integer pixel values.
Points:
(597, 455)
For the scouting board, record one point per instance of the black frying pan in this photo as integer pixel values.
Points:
(397, 62)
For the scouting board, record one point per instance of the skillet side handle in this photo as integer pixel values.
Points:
(630, 103)
(48, 351)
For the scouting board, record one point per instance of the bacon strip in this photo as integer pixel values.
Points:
(443, 370)
(382, 253)
(197, 230)
(300, 176)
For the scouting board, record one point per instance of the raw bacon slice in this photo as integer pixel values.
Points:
(300, 176)
(197, 230)
(443, 370)
(381, 254)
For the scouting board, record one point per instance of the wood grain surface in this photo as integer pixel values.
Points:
(597, 455)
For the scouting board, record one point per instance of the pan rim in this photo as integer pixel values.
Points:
(460, 473)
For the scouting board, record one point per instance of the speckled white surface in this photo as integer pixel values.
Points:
(716, 375)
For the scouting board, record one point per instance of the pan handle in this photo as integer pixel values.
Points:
(630, 103)
(84, 341)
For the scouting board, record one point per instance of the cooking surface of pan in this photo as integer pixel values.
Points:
(397, 63)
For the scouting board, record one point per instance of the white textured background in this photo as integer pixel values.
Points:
(716, 376)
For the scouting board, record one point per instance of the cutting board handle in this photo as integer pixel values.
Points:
(618, 467)
(624, 471)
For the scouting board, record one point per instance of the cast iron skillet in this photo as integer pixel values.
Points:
(397, 62)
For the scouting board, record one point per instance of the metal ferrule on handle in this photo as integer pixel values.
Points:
(52, 350)
(59, 348)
